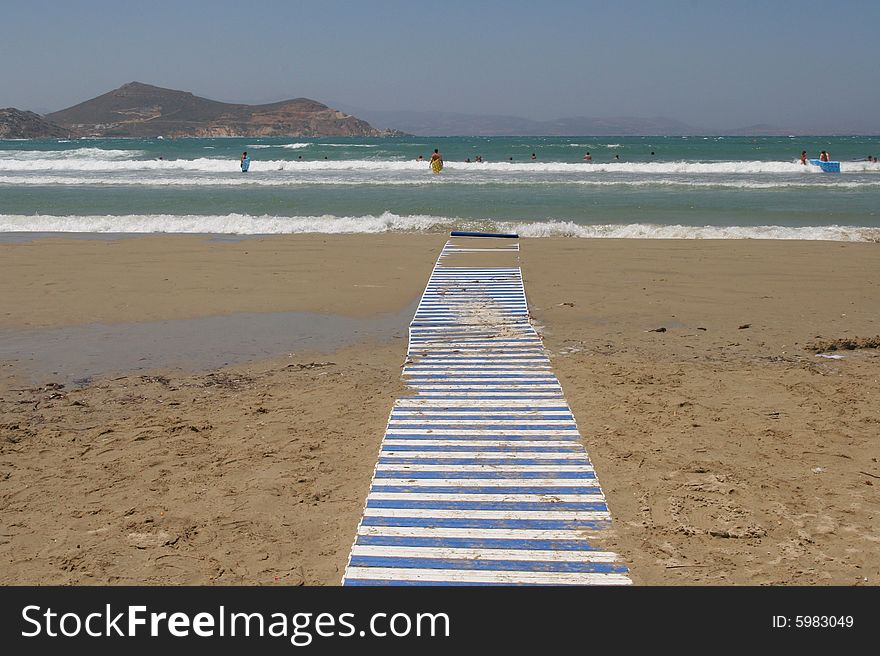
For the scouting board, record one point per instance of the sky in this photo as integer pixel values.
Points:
(709, 63)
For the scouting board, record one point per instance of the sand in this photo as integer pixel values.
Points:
(729, 452)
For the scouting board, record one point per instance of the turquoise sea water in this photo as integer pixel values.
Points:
(684, 187)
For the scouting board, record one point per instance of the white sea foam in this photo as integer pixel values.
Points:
(243, 224)
(652, 231)
(235, 179)
(290, 146)
(10, 157)
(95, 159)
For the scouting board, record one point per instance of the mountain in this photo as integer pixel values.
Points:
(18, 124)
(143, 110)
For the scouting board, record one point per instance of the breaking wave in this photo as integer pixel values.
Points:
(234, 178)
(244, 224)
(12, 158)
(95, 159)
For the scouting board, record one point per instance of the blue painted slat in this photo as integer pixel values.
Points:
(477, 543)
(574, 447)
(476, 489)
(549, 506)
(467, 522)
(413, 583)
(495, 565)
(574, 439)
(487, 475)
(543, 464)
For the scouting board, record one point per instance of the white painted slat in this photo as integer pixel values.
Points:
(536, 394)
(553, 515)
(487, 468)
(479, 431)
(439, 330)
(409, 414)
(452, 454)
(527, 360)
(501, 385)
(531, 344)
(471, 533)
(524, 421)
(460, 408)
(521, 444)
(538, 387)
(487, 482)
(488, 498)
(415, 402)
(470, 576)
(486, 554)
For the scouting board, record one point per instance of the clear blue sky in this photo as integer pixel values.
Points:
(709, 63)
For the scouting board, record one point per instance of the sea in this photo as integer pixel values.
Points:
(697, 187)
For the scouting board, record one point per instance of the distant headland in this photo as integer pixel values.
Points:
(142, 110)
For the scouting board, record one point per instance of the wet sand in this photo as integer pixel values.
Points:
(729, 452)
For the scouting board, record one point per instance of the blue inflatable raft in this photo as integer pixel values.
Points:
(828, 167)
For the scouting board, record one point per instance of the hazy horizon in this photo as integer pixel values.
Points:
(804, 66)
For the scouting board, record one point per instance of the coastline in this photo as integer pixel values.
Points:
(728, 454)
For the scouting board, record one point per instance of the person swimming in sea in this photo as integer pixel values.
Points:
(588, 157)
(245, 162)
(804, 157)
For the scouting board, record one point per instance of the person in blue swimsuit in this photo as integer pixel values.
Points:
(245, 162)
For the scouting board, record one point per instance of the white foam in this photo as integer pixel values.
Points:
(285, 178)
(95, 159)
(69, 155)
(651, 231)
(241, 224)
(244, 224)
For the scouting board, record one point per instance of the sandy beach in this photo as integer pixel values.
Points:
(729, 451)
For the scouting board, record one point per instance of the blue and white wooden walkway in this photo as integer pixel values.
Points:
(482, 477)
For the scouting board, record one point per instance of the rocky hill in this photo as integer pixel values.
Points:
(142, 110)
(18, 124)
